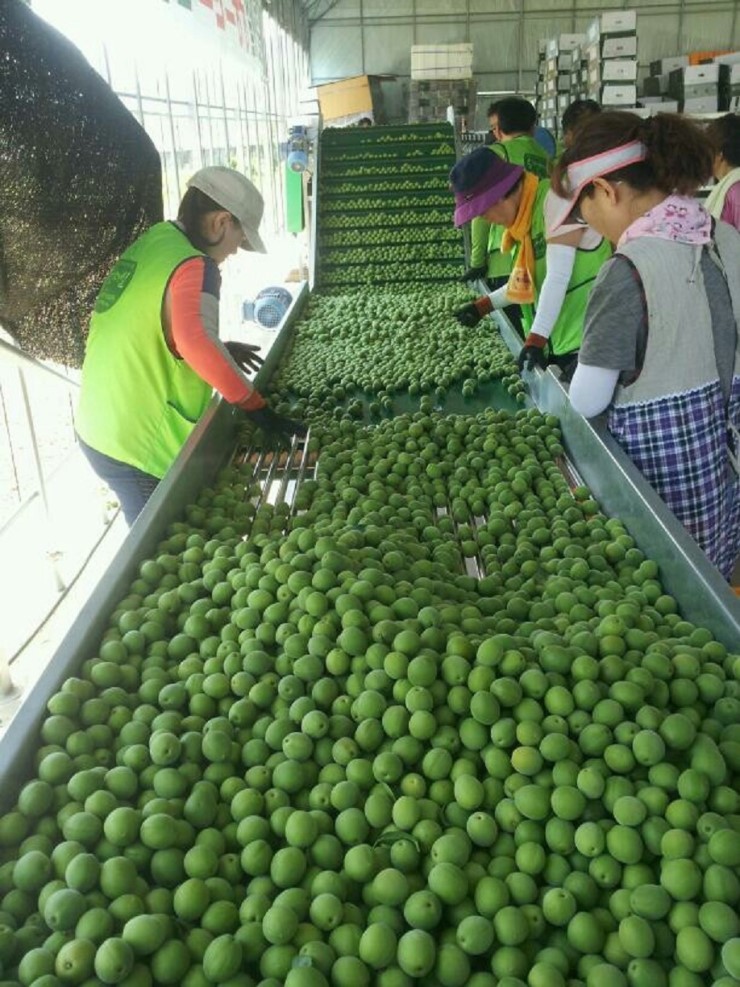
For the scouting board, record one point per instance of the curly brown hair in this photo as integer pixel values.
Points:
(679, 155)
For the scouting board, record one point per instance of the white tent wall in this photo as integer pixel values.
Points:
(354, 37)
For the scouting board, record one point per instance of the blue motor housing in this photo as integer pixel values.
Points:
(298, 160)
(269, 307)
(298, 148)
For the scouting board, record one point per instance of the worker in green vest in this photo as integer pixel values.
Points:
(515, 121)
(153, 356)
(553, 268)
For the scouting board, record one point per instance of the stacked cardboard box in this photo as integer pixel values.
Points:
(557, 78)
(611, 52)
(429, 99)
(442, 61)
(687, 84)
(578, 73)
(441, 76)
(696, 88)
(540, 85)
(729, 82)
(345, 102)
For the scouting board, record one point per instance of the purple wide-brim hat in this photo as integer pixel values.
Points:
(480, 180)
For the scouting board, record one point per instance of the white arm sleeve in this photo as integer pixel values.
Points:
(592, 389)
(499, 298)
(559, 261)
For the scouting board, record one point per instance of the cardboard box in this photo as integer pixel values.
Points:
(442, 61)
(619, 47)
(429, 99)
(729, 75)
(696, 75)
(563, 43)
(732, 58)
(618, 95)
(699, 92)
(699, 57)
(663, 66)
(702, 104)
(356, 95)
(612, 22)
(656, 85)
(559, 63)
(619, 70)
(654, 104)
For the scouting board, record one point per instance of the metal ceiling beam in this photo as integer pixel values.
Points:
(330, 6)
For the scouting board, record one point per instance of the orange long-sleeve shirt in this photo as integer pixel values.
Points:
(190, 318)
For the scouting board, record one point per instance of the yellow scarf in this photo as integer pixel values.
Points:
(520, 288)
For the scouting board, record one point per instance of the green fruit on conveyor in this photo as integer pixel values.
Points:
(394, 182)
(365, 356)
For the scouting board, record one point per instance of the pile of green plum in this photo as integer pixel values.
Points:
(374, 346)
(441, 219)
(397, 236)
(314, 749)
(386, 191)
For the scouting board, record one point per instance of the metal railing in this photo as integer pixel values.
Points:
(37, 442)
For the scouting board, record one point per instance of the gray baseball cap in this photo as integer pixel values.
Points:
(234, 191)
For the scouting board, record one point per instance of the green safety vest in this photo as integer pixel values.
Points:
(486, 238)
(567, 332)
(138, 402)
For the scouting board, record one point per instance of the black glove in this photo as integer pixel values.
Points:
(532, 354)
(473, 273)
(245, 356)
(270, 421)
(471, 314)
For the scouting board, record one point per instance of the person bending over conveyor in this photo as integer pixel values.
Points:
(153, 353)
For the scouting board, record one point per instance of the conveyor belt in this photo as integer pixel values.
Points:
(278, 469)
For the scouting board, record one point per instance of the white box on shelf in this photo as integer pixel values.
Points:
(701, 104)
(442, 61)
(698, 75)
(731, 58)
(437, 72)
(567, 42)
(612, 22)
(700, 92)
(618, 95)
(619, 70)
(619, 47)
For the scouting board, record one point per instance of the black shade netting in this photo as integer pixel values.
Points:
(79, 181)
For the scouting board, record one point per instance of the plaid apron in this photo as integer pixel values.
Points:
(681, 446)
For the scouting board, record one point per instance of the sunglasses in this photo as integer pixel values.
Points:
(576, 215)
